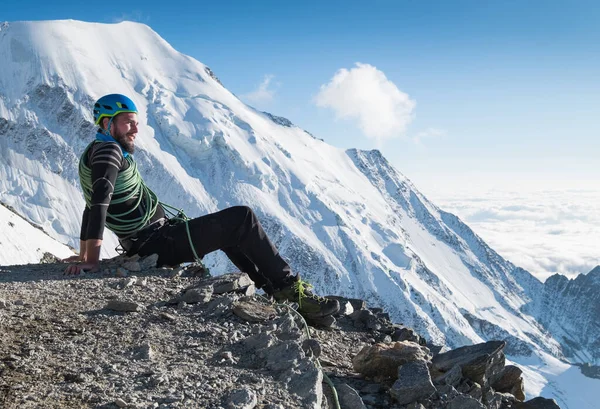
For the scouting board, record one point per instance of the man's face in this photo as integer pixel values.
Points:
(124, 129)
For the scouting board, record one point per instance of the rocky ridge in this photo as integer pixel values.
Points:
(137, 336)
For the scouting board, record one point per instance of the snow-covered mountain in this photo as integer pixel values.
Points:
(346, 220)
(22, 242)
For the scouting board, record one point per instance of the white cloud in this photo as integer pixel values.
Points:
(366, 95)
(263, 93)
(545, 232)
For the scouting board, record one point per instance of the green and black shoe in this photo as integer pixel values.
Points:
(309, 304)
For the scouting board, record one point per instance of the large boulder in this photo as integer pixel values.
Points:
(382, 360)
(510, 380)
(413, 383)
(478, 363)
(538, 403)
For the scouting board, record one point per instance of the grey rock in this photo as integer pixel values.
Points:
(121, 403)
(228, 283)
(123, 306)
(382, 360)
(501, 401)
(242, 399)
(122, 272)
(464, 402)
(415, 405)
(149, 261)
(282, 356)
(307, 383)
(413, 383)
(452, 377)
(197, 295)
(357, 304)
(132, 266)
(406, 334)
(4, 304)
(259, 341)
(145, 352)
(510, 380)
(371, 388)
(538, 403)
(349, 397)
(479, 363)
(253, 311)
(311, 347)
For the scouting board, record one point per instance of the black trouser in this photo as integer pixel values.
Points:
(237, 232)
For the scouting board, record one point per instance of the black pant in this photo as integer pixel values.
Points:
(237, 232)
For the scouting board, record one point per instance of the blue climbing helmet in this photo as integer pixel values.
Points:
(110, 105)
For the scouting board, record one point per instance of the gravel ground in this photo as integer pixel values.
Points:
(61, 347)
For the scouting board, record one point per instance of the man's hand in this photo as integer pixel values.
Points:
(74, 269)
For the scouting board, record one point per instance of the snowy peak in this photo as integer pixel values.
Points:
(569, 309)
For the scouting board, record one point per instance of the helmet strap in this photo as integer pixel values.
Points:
(107, 131)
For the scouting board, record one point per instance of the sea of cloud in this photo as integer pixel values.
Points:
(544, 231)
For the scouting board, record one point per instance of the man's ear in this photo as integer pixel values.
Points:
(104, 123)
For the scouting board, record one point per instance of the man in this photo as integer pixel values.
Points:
(117, 197)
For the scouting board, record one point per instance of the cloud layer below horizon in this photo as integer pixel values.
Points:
(544, 232)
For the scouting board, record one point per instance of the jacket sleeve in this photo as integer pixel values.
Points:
(84, 224)
(106, 160)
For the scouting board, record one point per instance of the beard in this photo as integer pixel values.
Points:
(128, 145)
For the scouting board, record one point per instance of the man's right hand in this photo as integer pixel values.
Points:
(74, 269)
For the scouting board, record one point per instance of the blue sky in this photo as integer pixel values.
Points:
(503, 91)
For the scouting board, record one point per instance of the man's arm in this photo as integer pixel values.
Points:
(105, 163)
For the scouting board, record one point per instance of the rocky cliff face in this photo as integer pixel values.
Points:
(569, 310)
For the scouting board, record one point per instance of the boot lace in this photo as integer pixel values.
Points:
(303, 289)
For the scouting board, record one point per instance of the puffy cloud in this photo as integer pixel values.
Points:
(263, 93)
(366, 95)
(544, 232)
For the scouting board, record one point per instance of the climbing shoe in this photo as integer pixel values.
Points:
(309, 304)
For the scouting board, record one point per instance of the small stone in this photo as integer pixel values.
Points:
(121, 272)
(349, 397)
(19, 302)
(311, 347)
(253, 311)
(227, 357)
(121, 403)
(176, 273)
(4, 304)
(129, 281)
(132, 266)
(123, 306)
(145, 352)
(197, 295)
(141, 281)
(149, 261)
(167, 316)
(242, 399)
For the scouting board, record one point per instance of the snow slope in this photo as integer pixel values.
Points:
(346, 220)
(23, 243)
